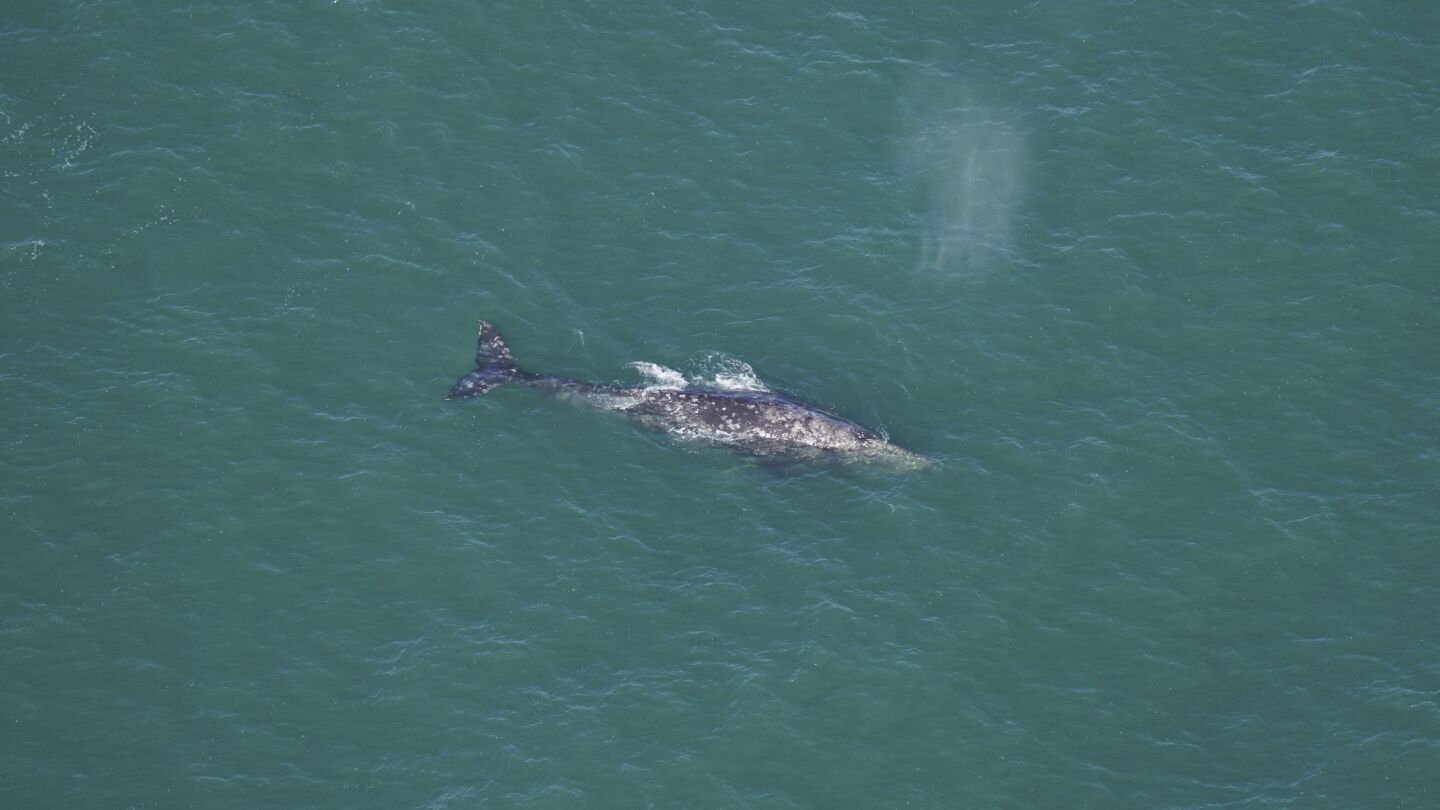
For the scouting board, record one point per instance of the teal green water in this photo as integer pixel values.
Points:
(1155, 284)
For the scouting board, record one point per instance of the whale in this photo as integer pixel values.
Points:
(759, 423)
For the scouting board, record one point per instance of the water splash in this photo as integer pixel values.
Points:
(969, 158)
(713, 371)
(725, 373)
(657, 376)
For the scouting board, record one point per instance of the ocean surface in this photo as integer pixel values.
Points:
(1156, 286)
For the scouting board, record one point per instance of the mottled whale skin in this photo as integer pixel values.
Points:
(761, 423)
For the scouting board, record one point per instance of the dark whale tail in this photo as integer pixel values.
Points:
(493, 366)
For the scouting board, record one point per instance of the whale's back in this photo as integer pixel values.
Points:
(760, 422)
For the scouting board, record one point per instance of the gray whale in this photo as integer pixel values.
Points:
(761, 423)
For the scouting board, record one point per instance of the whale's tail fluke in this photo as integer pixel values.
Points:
(493, 366)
